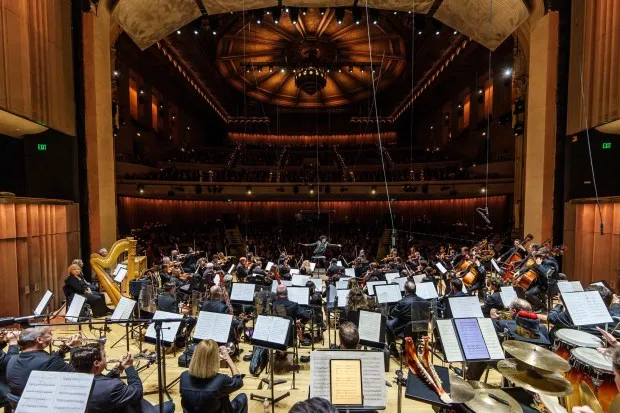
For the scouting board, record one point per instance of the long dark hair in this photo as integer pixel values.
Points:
(313, 405)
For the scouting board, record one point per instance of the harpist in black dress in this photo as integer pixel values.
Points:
(75, 284)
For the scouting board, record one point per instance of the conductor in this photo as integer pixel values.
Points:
(319, 249)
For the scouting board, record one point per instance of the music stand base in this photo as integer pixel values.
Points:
(274, 400)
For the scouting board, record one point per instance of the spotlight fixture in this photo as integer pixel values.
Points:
(282, 70)
(437, 26)
(322, 10)
(419, 32)
(480, 91)
(286, 9)
(357, 15)
(213, 24)
(259, 15)
(277, 14)
(350, 69)
(141, 91)
(293, 14)
(178, 32)
(304, 10)
(455, 33)
(270, 69)
(373, 190)
(519, 128)
(519, 106)
(249, 190)
(140, 188)
(508, 72)
(374, 16)
(116, 73)
(339, 13)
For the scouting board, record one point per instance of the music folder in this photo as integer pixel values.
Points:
(43, 303)
(53, 391)
(347, 388)
(469, 339)
(586, 308)
(168, 329)
(73, 313)
(388, 294)
(272, 332)
(213, 326)
(370, 326)
(242, 293)
(371, 286)
(300, 295)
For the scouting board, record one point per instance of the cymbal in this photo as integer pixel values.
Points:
(460, 390)
(588, 398)
(539, 381)
(552, 404)
(485, 400)
(481, 385)
(536, 356)
(615, 405)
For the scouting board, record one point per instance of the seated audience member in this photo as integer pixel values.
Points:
(494, 300)
(349, 336)
(403, 312)
(109, 393)
(75, 284)
(313, 405)
(33, 342)
(203, 389)
(168, 300)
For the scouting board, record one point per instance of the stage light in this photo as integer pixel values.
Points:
(178, 31)
(286, 9)
(141, 91)
(282, 70)
(455, 32)
(350, 69)
(140, 188)
(293, 14)
(480, 91)
(304, 10)
(116, 73)
(519, 128)
(249, 188)
(260, 69)
(432, 127)
(259, 15)
(437, 25)
(483, 190)
(214, 25)
(373, 190)
(507, 72)
(277, 14)
(419, 32)
(339, 13)
(357, 15)
(322, 10)
(270, 69)
(374, 16)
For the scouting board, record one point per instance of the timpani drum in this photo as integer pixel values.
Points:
(567, 339)
(597, 371)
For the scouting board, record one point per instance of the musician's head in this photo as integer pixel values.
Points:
(206, 360)
(79, 262)
(456, 285)
(176, 272)
(409, 288)
(311, 286)
(519, 304)
(398, 260)
(103, 252)
(494, 284)
(533, 247)
(75, 270)
(209, 266)
(605, 293)
(374, 265)
(323, 238)
(517, 243)
(352, 283)
(313, 405)
(216, 292)
(174, 253)
(334, 261)
(349, 335)
(465, 250)
(35, 338)
(243, 260)
(165, 261)
(335, 278)
(89, 359)
(281, 291)
(202, 262)
(170, 287)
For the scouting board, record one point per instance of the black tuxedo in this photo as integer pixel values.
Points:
(492, 301)
(21, 365)
(167, 302)
(242, 272)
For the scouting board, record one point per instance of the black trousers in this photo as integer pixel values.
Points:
(536, 296)
(97, 304)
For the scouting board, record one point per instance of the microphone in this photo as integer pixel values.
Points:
(484, 213)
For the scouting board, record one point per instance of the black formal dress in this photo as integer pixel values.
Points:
(212, 395)
(21, 365)
(74, 285)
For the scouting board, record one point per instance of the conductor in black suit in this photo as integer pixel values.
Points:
(402, 313)
(168, 301)
(109, 393)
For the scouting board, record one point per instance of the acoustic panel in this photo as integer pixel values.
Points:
(147, 22)
(320, 3)
(471, 17)
(419, 6)
(227, 6)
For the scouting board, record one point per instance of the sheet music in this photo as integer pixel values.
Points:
(168, 330)
(586, 308)
(388, 293)
(339, 263)
(508, 294)
(494, 263)
(472, 342)
(118, 268)
(214, 326)
(312, 266)
(490, 339)
(347, 389)
(418, 278)
(269, 265)
(300, 280)
(73, 313)
(43, 303)
(343, 297)
(271, 329)
(123, 309)
(391, 276)
(451, 347)
(52, 391)
(577, 287)
(426, 290)
(370, 326)
(465, 307)
(371, 286)
(401, 282)
(565, 287)
(274, 284)
(342, 285)
(294, 271)
(242, 292)
(350, 272)
(300, 295)
(318, 283)
(373, 375)
(441, 267)
(120, 276)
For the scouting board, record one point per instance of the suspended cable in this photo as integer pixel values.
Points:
(412, 110)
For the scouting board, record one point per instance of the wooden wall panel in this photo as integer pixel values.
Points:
(592, 256)
(595, 48)
(36, 69)
(38, 241)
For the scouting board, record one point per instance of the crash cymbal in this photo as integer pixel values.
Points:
(539, 381)
(588, 398)
(615, 405)
(552, 404)
(536, 356)
(460, 390)
(481, 385)
(493, 400)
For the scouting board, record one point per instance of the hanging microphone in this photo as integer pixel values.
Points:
(484, 213)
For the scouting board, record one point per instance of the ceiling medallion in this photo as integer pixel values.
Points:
(310, 79)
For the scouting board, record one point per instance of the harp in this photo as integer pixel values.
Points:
(123, 249)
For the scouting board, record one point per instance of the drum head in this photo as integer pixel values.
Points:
(578, 338)
(593, 358)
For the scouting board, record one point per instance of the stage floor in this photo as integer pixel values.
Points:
(302, 379)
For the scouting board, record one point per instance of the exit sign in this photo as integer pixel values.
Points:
(606, 145)
(42, 146)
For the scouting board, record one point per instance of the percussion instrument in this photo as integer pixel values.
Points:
(536, 380)
(481, 385)
(493, 400)
(460, 390)
(566, 339)
(535, 356)
(589, 399)
(595, 369)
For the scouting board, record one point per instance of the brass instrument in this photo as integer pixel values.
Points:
(63, 341)
(9, 331)
(501, 315)
(99, 264)
(151, 358)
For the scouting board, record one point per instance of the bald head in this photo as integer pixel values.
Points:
(281, 291)
(216, 292)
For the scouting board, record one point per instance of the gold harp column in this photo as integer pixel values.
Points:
(99, 135)
(540, 127)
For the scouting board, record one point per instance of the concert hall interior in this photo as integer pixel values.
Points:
(343, 205)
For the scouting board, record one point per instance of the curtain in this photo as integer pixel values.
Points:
(308, 140)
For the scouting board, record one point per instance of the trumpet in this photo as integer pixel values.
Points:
(61, 341)
(150, 358)
(5, 332)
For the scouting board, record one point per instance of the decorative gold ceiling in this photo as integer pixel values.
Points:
(260, 45)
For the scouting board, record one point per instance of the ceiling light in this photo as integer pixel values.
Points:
(455, 32)
(350, 69)
(322, 10)
(259, 15)
(282, 70)
(432, 127)
(508, 72)
(286, 9)
(437, 33)
(480, 91)
(339, 13)
(304, 10)
(357, 15)
(294, 14)
(116, 73)
(196, 32)
(419, 32)
(178, 31)
(484, 134)
(277, 13)
(270, 69)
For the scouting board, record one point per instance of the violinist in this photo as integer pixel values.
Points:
(242, 269)
(374, 273)
(305, 269)
(217, 304)
(284, 269)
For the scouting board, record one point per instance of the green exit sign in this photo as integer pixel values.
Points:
(42, 146)
(606, 145)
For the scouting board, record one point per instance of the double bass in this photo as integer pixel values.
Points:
(508, 265)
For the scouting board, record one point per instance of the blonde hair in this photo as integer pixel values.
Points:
(205, 361)
(74, 267)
